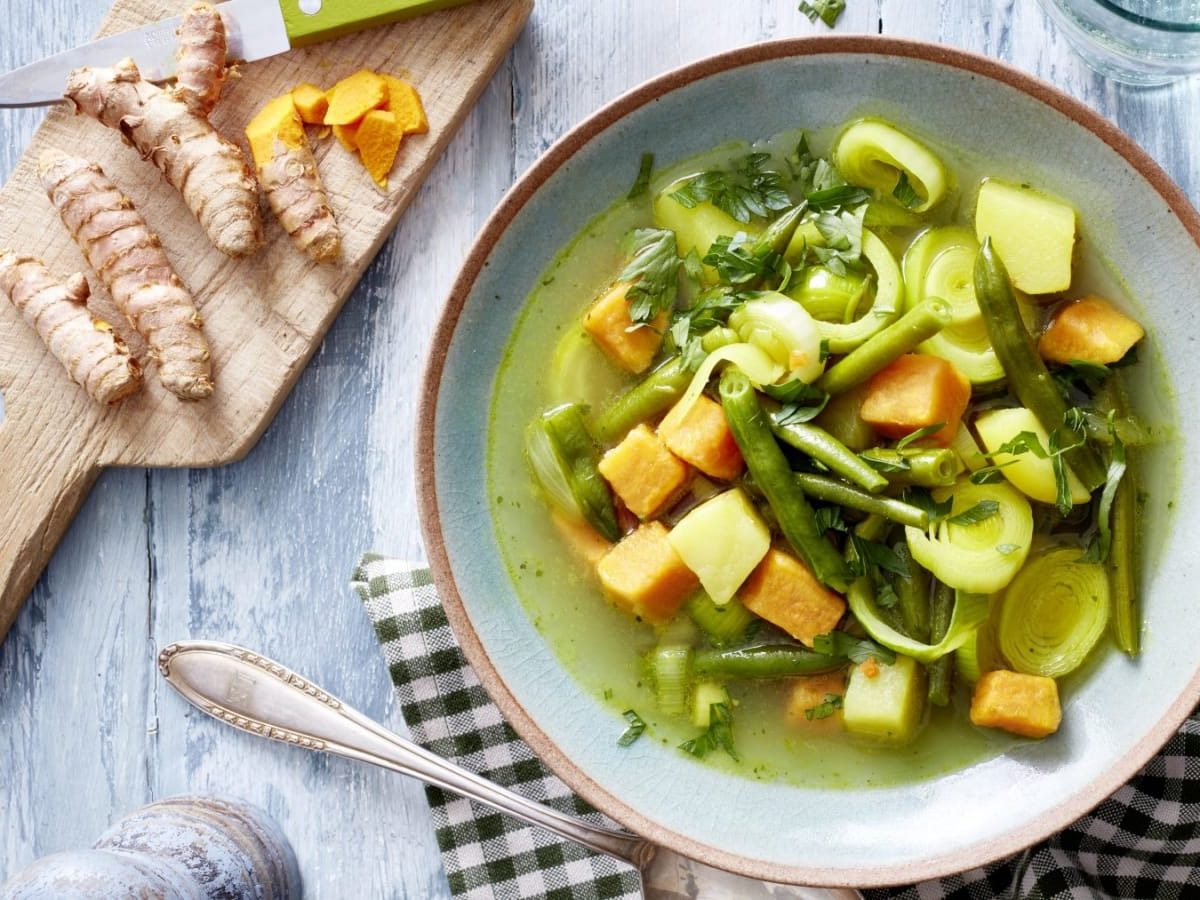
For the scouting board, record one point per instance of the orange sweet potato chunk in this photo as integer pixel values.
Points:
(610, 326)
(1089, 329)
(701, 436)
(644, 473)
(785, 592)
(913, 392)
(644, 576)
(809, 692)
(1023, 704)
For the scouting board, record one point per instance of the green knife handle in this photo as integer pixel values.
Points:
(334, 18)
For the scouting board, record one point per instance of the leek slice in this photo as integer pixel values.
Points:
(889, 298)
(778, 325)
(979, 654)
(550, 471)
(970, 610)
(1053, 613)
(981, 558)
(580, 372)
(759, 368)
(828, 296)
(873, 154)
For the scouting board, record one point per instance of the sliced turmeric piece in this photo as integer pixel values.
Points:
(405, 104)
(701, 436)
(355, 96)
(644, 473)
(915, 391)
(1023, 704)
(612, 329)
(287, 172)
(347, 135)
(1089, 329)
(643, 574)
(378, 141)
(311, 102)
(785, 592)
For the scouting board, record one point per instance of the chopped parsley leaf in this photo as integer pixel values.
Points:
(749, 190)
(827, 11)
(980, 512)
(634, 731)
(919, 434)
(825, 708)
(857, 650)
(905, 194)
(642, 183)
(718, 735)
(653, 269)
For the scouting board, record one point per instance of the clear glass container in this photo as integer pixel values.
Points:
(1146, 42)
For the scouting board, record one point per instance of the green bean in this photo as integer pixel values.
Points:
(1122, 565)
(913, 592)
(577, 451)
(763, 661)
(926, 468)
(655, 393)
(920, 323)
(940, 671)
(833, 491)
(1028, 376)
(825, 448)
(769, 469)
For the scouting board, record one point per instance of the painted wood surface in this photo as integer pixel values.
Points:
(259, 552)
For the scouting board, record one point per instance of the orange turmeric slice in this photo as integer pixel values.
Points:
(311, 102)
(378, 141)
(405, 104)
(355, 96)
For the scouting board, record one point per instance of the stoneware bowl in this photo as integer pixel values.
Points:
(1130, 213)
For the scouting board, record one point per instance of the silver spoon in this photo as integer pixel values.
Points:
(258, 695)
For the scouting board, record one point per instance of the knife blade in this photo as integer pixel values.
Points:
(255, 29)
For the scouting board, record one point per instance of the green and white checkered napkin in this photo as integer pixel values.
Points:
(1143, 842)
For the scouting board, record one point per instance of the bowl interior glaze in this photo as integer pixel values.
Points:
(1130, 213)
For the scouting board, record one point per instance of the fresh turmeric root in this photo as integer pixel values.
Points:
(89, 350)
(201, 68)
(130, 261)
(288, 174)
(209, 171)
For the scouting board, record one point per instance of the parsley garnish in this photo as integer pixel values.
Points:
(829, 518)
(919, 434)
(839, 195)
(827, 11)
(634, 731)
(872, 554)
(843, 238)
(750, 189)
(801, 402)
(980, 512)
(642, 183)
(654, 270)
(905, 193)
(718, 735)
(1062, 484)
(1081, 374)
(738, 262)
(900, 464)
(711, 309)
(857, 650)
(922, 499)
(886, 596)
(825, 708)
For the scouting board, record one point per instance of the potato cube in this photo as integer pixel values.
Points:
(812, 696)
(885, 702)
(644, 473)
(1034, 235)
(1090, 329)
(913, 392)
(700, 435)
(722, 540)
(644, 575)
(612, 329)
(1023, 704)
(783, 591)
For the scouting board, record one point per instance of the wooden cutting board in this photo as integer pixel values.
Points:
(264, 316)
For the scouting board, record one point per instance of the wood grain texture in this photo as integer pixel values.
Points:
(264, 315)
(259, 552)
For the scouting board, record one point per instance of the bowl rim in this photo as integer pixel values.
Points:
(525, 724)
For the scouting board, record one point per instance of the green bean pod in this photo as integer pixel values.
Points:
(1027, 374)
(825, 448)
(577, 452)
(914, 596)
(940, 671)
(769, 468)
(832, 491)
(1122, 567)
(654, 394)
(920, 323)
(763, 661)
(924, 468)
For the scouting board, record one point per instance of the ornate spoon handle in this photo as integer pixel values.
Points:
(259, 696)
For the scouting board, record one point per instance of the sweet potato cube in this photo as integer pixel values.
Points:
(700, 435)
(311, 102)
(1023, 704)
(584, 541)
(644, 473)
(644, 576)
(405, 104)
(1090, 329)
(354, 96)
(808, 698)
(610, 326)
(913, 392)
(785, 592)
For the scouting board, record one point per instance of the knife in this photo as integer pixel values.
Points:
(255, 29)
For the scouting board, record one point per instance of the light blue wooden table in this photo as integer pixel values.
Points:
(259, 552)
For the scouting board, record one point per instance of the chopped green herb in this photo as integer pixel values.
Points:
(1062, 482)
(634, 730)
(711, 309)
(825, 708)
(839, 195)
(827, 11)
(920, 434)
(693, 266)
(738, 263)
(857, 650)
(823, 354)
(718, 735)
(653, 269)
(872, 554)
(886, 595)
(801, 401)
(989, 474)
(749, 190)
(843, 238)
(922, 499)
(1099, 548)
(1082, 374)
(980, 512)
(829, 518)
(1024, 442)
(642, 183)
(898, 464)
(905, 193)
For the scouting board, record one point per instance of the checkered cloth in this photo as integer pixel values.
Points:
(1143, 842)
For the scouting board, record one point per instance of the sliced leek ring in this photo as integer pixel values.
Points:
(886, 308)
(873, 154)
(759, 368)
